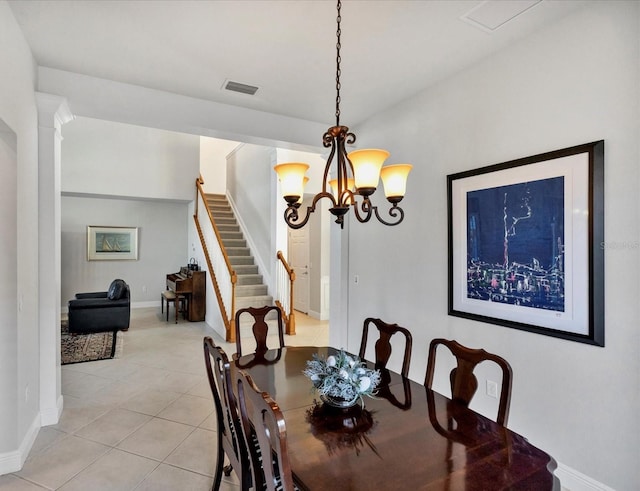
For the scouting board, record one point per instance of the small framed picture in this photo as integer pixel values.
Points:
(525, 242)
(112, 243)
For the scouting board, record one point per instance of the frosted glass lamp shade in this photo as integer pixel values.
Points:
(334, 186)
(291, 177)
(366, 168)
(304, 183)
(394, 179)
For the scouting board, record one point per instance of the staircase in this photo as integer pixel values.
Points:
(250, 290)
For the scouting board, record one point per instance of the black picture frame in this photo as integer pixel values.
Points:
(526, 244)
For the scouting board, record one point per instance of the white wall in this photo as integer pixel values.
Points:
(8, 255)
(575, 82)
(103, 159)
(213, 163)
(249, 176)
(19, 365)
(162, 246)
(115, 159)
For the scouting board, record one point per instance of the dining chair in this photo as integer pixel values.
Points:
(383, 344)
(228, 420)
(260, 328)
(264, 431)
(463, 382)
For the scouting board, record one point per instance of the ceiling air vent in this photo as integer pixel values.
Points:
(490, 15)
(242, 88)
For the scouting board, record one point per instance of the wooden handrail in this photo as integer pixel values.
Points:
(214, 279)
(232, 272)
(290, 319)
(289, 269)
(228, 318)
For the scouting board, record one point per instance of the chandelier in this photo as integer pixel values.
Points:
(356, 174)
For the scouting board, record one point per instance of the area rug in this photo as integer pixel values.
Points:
(78, 348)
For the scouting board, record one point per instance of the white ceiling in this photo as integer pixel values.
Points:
(391, 50)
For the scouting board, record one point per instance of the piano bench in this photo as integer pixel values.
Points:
(179, 303)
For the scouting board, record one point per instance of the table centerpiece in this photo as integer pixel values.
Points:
(341, 379)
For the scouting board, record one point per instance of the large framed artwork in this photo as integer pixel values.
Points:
(112, 243)
(526, 244)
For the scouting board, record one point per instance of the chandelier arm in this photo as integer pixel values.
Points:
(366, 209)
(346, 198)
(394, 211)
(327, 167)
(291, 215)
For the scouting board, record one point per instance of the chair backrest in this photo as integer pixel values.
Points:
(463, 382)
(260, 327)
(383, 344)
(118, 289)
(265, 434)
(228, 420)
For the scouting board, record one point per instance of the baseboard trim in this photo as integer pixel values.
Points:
(13, 461)
(144, 305)
(52, 416)
(573, 480)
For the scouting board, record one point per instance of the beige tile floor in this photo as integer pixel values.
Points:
(143, 421)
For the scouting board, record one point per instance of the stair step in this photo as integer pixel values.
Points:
(234, 242)
(243, 291)
(237, 260)
(219, 215)
(250, 290)
(216, 197)
(228, 227)
(225, 220)
(256, 301)
(238, 251)
(248, 279)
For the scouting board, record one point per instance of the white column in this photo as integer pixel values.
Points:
(53, 112)
(339, 280)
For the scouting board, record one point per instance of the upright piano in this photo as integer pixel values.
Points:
(192, 285)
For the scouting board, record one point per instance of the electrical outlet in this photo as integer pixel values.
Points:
(492, 389)
(356, 279)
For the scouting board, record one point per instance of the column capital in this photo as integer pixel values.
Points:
(53, 110)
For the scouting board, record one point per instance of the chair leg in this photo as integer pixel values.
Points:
(217, 478)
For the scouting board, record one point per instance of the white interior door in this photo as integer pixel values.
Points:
(299, 261)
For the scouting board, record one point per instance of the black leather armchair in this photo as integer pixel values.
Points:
(101, 311)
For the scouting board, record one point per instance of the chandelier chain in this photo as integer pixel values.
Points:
(338, 59)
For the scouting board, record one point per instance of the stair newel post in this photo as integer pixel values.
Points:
(198, 195)
(291, 321)
(231, 335)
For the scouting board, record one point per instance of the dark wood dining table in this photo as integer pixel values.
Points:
(406, 438)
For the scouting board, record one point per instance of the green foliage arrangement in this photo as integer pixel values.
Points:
(342, 376)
